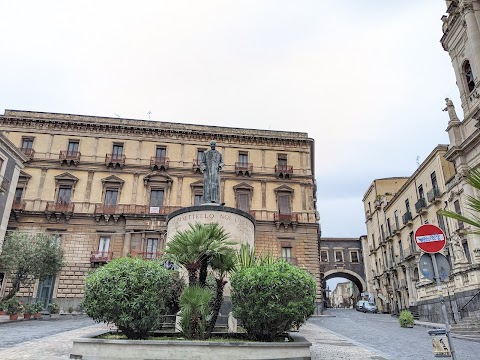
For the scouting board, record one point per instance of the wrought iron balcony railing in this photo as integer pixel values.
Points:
(115, 159)
(242, 168)
(28, 152)
(100, 256)
(160, 162)
(407, 218)
(61, 207)
(283, 171)
(285, 217)
(434, 195)
(18, 205)
(421, 206)
(69, 156)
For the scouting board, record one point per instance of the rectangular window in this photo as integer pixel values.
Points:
(389, 228)
(441, 222)
(117, 152)
(397, 224)
(243, 158)
(467, 251)
(407, 205)
(354, 256)
(458, 210)
(243, 200)
(161, 152)
(152, 248)
(104, 245)
(27, 143)
(284, 204)
(200, 154)
(411, 238)
(287, 253)
(382, 233)
(111, 197)
(324, 256)
(198, 199)
(282, 161)
(73, 148)
(156, 199)
(64, 194)
(420, 192)
(18, 194)
(400, 247)
(433, 177)
(338, 256)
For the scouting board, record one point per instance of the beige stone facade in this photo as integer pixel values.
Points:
(394, 209)
(106, 185)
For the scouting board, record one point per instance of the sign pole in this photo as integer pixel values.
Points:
(442, 302)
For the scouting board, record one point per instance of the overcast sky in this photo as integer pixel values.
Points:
(366, 79)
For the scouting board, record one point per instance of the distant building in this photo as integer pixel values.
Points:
(343, 295)
(105, 186)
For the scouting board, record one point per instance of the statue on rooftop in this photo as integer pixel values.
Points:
(450, 109)
(210, 166)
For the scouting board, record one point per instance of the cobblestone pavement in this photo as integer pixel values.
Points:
(381, 333)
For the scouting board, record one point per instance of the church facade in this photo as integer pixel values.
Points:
(105, 186)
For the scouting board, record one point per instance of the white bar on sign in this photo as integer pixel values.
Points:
(430, 238)
(154, 210)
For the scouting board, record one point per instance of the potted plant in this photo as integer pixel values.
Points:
(2, 308)
(406, 319)
(39, 306)
(54, 308)
(13, 308)
(28, 310)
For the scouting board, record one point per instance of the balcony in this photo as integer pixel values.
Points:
(28, 152)
(149, 255)
(117, 210)
(410, 252)
(196, 165)
(407, 218)
(286, 219)
(378, 204)
(421, 206)
(368, 215)
(18, 205)
(159, 163)
(290, 260)
(115, 160)
(434, 195)
(4, 185)
(69, 157)
(284, 171)
(58, 209)
(395, 230)
(100, 257)
(242, 168)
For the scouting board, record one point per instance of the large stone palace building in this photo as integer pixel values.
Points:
(104, 186)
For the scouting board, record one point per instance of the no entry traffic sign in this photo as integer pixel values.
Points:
(430, 238)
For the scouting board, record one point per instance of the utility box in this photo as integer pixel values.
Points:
(441, 346)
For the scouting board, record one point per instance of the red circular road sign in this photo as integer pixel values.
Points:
(430, 238)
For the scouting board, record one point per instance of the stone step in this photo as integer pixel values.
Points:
(466, 337)
(466, 331)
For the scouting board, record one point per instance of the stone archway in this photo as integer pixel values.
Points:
(347, 274)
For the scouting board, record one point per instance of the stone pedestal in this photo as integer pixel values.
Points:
(238, 224)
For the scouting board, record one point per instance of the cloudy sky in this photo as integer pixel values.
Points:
(366, 79)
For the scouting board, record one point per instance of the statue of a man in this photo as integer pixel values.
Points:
(450, 109)
(210, 166)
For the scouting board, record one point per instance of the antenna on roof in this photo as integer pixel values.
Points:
(117, 115)
(418, 160)
(149, 113)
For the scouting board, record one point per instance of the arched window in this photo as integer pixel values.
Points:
(467, 70)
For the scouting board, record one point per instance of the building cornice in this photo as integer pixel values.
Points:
(145, 128)
(13, 150)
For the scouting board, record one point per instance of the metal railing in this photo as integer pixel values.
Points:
(134, 209)
(434, 195)
(462, 310)
(100, 256)
(115, 159)
(407, 218)
(420, 205)
(243, 168)
(19, 205)
(28, 152)
(60, 207)
(283, 169)
(286, 217)
(69, 155)
(159, 162)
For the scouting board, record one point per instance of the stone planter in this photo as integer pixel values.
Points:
(88, 347)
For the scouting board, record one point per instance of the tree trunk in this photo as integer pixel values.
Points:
(216, 306)
(202, 278)
(192, 274)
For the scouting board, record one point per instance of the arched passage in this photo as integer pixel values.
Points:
(347, 274)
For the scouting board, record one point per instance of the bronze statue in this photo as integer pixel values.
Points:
(210, 166)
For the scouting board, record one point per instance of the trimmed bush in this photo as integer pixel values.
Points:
(406, 319)
(195, 308)
(129, 292)
(271, 299)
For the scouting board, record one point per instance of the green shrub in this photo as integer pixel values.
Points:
(271, 299)
(406, 319)
(13, 306)
(29, 308)
(195, 308)
(129, 292)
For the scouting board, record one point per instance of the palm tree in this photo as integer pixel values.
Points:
(222, 265)
(195, 247)
(473, 204)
